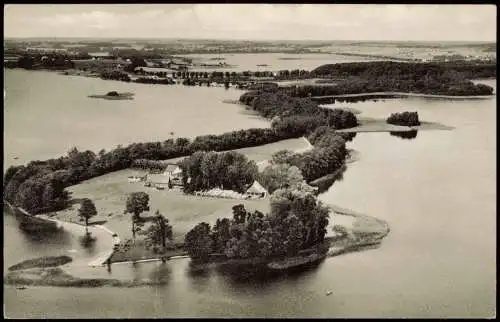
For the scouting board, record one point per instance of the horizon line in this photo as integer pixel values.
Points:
(243, 39)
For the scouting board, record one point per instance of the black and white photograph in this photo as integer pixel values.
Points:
(239, 160)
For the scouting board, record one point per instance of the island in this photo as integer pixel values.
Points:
(113, 95)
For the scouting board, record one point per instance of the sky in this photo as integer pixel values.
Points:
(254, 21)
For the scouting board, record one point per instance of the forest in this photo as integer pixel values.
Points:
(292, 114)
(451, 78)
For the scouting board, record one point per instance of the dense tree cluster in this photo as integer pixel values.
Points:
(292, 74)
(135, 61)
(386, 76)
(297, 221)
(294, 115)
(280, 176)
(327, 156)
(148, 80)
(115, 75)
(45, 61)
(227, 170)
(404, 119)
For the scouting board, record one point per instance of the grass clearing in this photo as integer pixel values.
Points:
(109, 193)
(264, 152)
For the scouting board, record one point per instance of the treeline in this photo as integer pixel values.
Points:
(115, 75)
(43, 61)
(401, 69)
(296, 222)
(404, 119)
(147, 80)
(427, 78)
(227, 170)
(22, 184)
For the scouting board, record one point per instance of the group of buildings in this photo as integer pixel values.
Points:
(172, 177)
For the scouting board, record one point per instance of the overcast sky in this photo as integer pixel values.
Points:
(255, 21)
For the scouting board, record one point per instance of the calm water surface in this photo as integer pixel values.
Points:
(45, 114)
(437, 192)
(275, 61)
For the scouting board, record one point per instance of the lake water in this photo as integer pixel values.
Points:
(437, 192)
(275, 61)
(45, 114)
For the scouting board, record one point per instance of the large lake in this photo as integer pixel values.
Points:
(274, 61)
(437, 192)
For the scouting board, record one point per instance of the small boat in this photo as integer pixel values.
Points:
(15, 158)
(329, 293)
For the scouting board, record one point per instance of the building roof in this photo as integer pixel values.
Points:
(256, 188)
(173, 168)
(100, 54)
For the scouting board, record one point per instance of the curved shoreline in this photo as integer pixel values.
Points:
(101, 259)
(357, 240)
(403, 94)
(56, 276)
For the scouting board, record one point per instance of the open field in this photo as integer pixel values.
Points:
(265, 152)
(109, 193)
(378, 125)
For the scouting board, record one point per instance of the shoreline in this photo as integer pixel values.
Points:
(404, 94)
(381, 125)
(102, 258)
(354, 240)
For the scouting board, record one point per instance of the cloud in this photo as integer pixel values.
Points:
(262, 21)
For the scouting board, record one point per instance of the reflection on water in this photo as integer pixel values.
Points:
(161, 274)
(349, 136)
(407, 135)
(325, 184)
(248, 275)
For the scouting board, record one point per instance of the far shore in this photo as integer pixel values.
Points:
(74, 72)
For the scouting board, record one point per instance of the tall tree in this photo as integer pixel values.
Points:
(160, 230)
(87, 210)
(137, 203)
(198, 242)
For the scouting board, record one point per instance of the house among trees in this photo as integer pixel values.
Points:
(158, 181)
(256, 189)
(173, 171)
